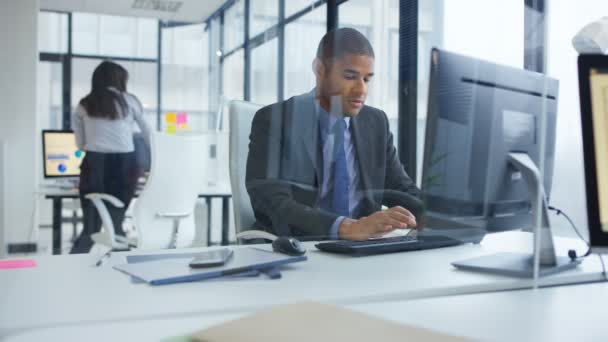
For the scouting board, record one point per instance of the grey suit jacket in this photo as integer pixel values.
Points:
(284, 168)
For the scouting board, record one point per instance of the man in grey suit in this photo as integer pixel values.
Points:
(322, 164)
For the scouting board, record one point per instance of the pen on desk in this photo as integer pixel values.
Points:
(103, 258)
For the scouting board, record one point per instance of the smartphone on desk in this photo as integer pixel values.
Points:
(212, 258)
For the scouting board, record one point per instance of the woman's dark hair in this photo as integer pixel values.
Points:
(101, 101)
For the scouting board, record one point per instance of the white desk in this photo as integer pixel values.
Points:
(67, 290)
(57, 195)
(565, 313)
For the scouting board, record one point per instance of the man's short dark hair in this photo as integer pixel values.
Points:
(337, 43)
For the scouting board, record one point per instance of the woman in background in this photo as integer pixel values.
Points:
(103, 126)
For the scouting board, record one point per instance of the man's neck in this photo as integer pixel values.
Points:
(324, 102)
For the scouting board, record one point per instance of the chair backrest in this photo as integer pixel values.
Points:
(241, 116)
(176, 178)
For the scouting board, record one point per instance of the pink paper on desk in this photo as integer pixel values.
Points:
(16, 263)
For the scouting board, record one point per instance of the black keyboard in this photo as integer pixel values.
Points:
(388, 245)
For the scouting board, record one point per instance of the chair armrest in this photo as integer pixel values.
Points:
(256, 234)
(126, 241)
(106, 197)
(108, 237)
(173, 215)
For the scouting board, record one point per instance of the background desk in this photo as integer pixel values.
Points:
(58, 195)
(67, 290)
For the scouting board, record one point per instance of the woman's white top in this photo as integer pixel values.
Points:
(107, 135)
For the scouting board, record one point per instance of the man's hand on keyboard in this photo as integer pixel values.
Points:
(379, 222)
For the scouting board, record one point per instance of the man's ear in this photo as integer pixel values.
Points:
(318, 68)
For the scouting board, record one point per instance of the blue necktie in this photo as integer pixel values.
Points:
(339, 197)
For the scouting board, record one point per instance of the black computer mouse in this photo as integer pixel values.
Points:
(288, 245)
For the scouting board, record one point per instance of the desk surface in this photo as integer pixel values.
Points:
(67, 290)
(213, 190)
(565, 313)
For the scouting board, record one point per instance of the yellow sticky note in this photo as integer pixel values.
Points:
(170, 128)
(170, 118)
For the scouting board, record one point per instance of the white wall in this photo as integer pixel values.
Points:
(18, 123)
(2, 198)
(566, 18)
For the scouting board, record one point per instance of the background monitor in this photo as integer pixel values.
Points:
(478, 113)
(61, 156)
(593, 85)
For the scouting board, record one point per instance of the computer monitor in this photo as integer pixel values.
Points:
(61, 157)
(593, 87)
(479, 112)
(489, 150)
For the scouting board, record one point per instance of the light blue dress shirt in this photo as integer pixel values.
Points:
(326, 122)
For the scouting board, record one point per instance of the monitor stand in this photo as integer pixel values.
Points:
(519, 264)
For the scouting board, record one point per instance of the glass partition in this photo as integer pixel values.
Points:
(302, 37)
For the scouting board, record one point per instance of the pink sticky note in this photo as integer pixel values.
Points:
(182, 118)
(16, 263)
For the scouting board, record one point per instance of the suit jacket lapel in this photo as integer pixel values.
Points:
(363, 146)
(306, 121)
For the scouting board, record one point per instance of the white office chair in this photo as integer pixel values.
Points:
(163, 212)
(241, 116)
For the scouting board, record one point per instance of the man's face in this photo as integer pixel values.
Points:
(346, 81)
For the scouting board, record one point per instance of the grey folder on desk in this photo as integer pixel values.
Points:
(169, 271)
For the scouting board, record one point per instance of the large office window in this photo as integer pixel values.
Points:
(263, 15)
(185, 74)
(233, 76)
(50, 91)
(106, 35)
(294, 6)
(53, 32)
(494, 30)
(264, 73)
(302, 38)
(214, 29)
(142, 83)
(132, 42)
(52, 39)
(234, 25)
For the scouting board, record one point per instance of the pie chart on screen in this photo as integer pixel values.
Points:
(61, 168)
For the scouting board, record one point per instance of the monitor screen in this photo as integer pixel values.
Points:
(598, 81)
(61, 156)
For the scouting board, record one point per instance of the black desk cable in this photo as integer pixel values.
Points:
(572, 252)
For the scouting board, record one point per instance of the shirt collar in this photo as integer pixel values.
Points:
(327, 120)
